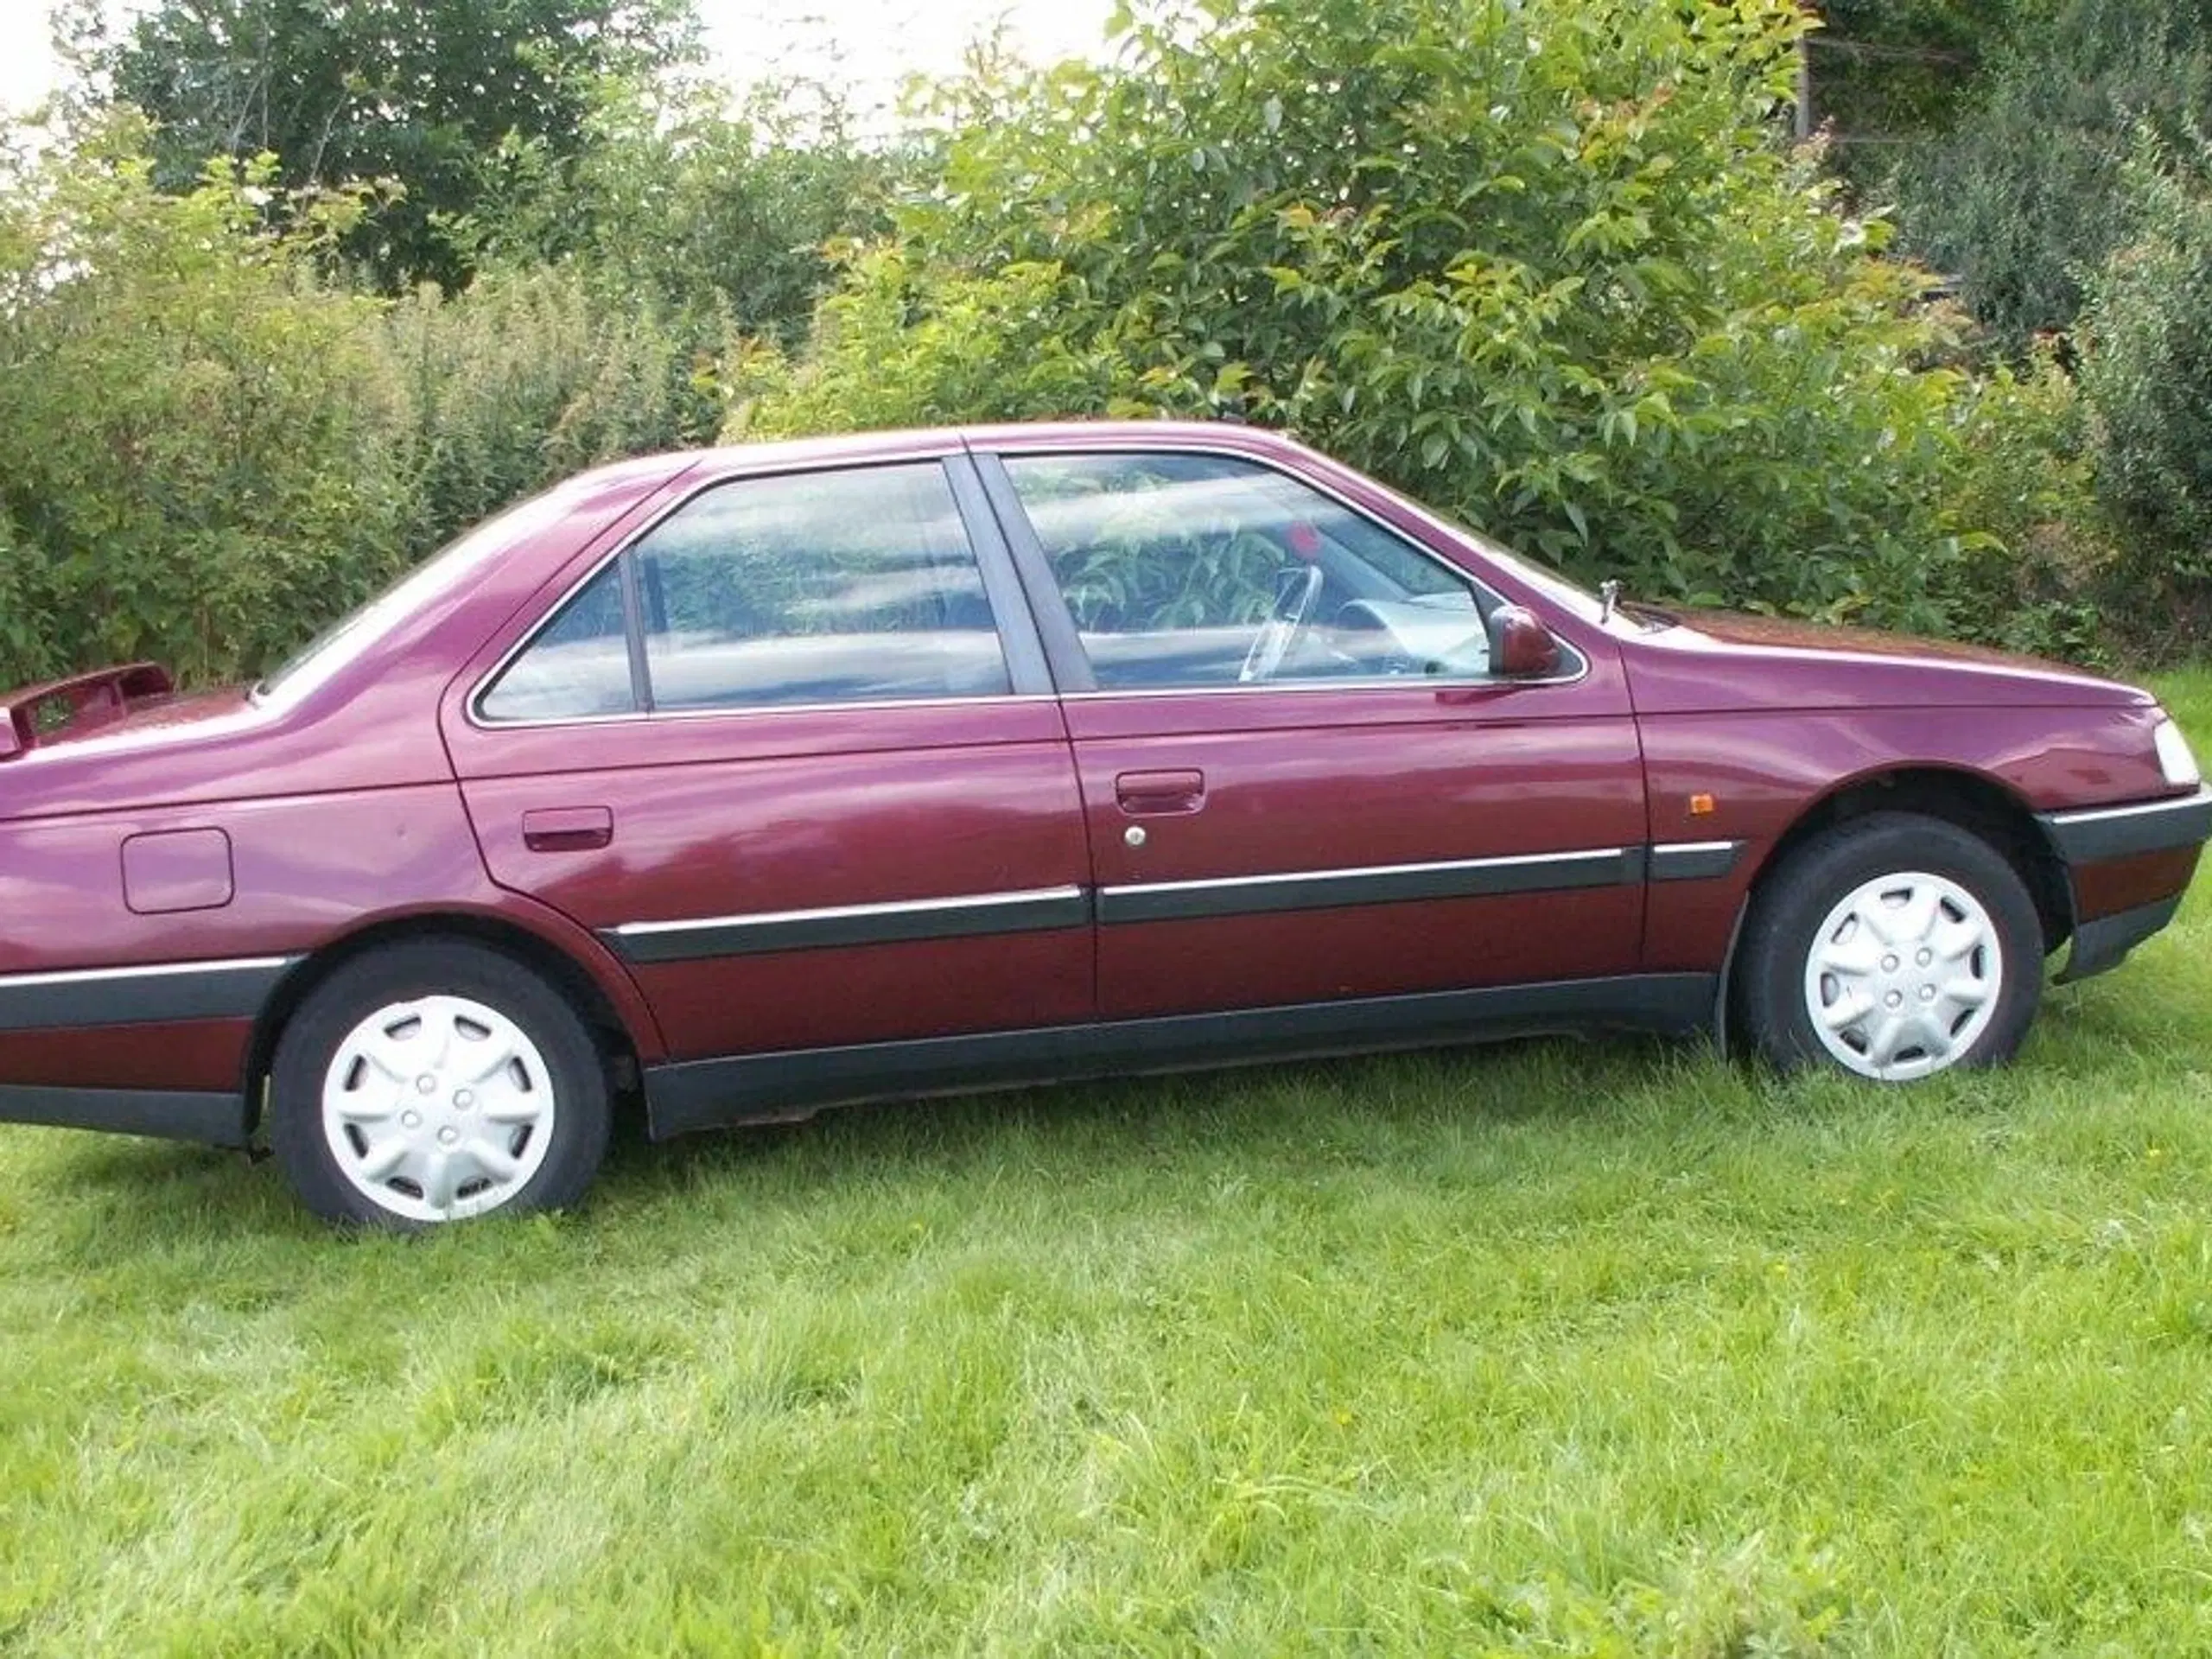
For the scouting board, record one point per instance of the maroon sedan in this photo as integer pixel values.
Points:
(750, 782)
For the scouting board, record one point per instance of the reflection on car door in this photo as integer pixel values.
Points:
(793, 754)
(1376, 816)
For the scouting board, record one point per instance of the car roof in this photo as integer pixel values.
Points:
(916, 443)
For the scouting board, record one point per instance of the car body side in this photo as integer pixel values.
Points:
(173, 883)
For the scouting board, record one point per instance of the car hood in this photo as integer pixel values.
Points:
(1717, 660)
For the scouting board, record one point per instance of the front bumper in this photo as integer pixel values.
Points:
(2105, 835)
(2105, 832)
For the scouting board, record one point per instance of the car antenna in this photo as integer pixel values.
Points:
(1609, 595)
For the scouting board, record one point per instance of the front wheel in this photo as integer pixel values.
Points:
(1893, 947)
(435, 1082)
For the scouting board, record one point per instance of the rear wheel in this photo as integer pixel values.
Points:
(1891, 946)
(435, 1082)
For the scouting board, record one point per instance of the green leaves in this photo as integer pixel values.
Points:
(902, 344)
(1546, 265)
(424, 94)
(2148, 370)
(208, 450)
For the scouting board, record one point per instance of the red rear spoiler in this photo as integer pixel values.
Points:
(38, 714)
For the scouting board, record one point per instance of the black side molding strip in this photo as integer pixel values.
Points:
(1385, 885)
(815, 930)
(756, 1088)
(910, 921)
(2106, 832)
(215, 1120)
(1694, 860)
(133, 996)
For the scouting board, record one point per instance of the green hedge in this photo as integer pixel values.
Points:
(208, 447)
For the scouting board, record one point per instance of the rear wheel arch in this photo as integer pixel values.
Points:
(621, 1047)
(1973, 802)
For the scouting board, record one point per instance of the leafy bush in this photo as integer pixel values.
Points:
(194, 428)
(2148, 373)
(1549, 265)
(677, 202)
(525, 377)
(2047, 575)
(420, 94)
(27, 623)
(902, 342)
(208, 449)
(1546, 266)
(2026, 193)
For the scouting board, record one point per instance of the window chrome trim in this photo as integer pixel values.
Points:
(1384, 683)
(661, 716)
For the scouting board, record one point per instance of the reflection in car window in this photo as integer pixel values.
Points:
(578, 665)
(1196, 570)
(838, 587)
(847, 586)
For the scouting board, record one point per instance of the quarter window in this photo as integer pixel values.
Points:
(579, 665)
(1184, 570)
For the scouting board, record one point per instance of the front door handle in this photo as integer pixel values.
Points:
(1149, 794)
(568, 829)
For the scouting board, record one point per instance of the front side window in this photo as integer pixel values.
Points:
(857, 586)
(1189, 570)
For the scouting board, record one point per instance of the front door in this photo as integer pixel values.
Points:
(793, 755)
(1302, 781)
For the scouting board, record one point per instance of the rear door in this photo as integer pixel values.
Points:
(1302, 782)
(792, 752)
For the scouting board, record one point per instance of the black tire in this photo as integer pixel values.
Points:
(1795, 899)
(573, 1073)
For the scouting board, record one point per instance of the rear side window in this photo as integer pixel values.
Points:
(819, 587)
(857, 586)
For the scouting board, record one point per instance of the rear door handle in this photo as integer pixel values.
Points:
(1145, 794)
(568, 829)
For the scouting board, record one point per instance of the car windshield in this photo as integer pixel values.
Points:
(346, 639)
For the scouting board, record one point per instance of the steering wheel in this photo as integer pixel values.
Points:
(1295, 591)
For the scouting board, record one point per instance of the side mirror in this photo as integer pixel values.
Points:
(1521, 647)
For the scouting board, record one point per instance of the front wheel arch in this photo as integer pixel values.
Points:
(1973, 802)
(1823, 957)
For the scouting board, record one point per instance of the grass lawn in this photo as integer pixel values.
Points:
(1555, 1348)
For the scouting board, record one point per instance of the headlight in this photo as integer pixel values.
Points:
(2174, 757)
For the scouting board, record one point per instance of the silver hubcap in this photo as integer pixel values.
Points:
(438, 1109)
(1903, 976)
